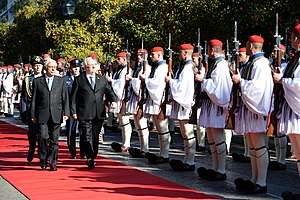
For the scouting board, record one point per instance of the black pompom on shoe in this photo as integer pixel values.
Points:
(151, 157)
(239, 184)
(202, 172)
(176, 165)
(260, 189)
(136, 153)
(116, 147)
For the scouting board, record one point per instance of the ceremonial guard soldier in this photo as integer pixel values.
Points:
(280, 141)
(243, 158)
(200, 131)
(155, 84)
(8, 82)
(37, 63)
(256, 85)
(118, 85)
(4, 74)
(289, 121)
(136, 102)
(216, 87)
(182, 93)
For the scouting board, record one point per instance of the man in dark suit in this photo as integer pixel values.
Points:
(87, 106)
(71, 124)
(50, 101)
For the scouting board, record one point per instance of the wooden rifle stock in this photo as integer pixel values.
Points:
(234, 101)
(126, 95)
(162, 113)
(272, 117)
(143, 88)
(198, 102)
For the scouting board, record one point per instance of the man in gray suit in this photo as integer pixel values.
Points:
(87, 106)
(50, 101)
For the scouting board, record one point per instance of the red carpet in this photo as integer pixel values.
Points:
(109, 180)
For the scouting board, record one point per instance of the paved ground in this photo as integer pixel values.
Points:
(277, 181)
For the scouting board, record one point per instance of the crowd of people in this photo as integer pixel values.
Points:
(83, 94)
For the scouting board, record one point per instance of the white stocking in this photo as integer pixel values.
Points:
(143, 132)
(228, 136)
(261, 156)
(126, 129)
(219, 139)
(282, 148)
(213, 149)
(246, 146)
(189, 140)
(164, 138)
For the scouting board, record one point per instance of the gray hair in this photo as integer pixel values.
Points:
(50, 61)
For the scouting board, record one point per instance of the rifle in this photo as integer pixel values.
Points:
(272, 117)
(126, 88)
(205, 56)
(143, 86)
(162, 113)
(235, 91)
(198, 102)
(108, 64)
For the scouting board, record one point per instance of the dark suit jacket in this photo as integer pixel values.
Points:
(88, 103)
(47, 104)
(69, 81)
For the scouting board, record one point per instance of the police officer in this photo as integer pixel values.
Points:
(37, 63)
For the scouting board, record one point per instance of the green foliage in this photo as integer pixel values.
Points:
(39, 26)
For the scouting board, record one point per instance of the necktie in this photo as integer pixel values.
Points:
(49, 83)
(92, 82)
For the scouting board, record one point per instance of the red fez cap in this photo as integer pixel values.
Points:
(186, 47)
(215, 42)
(296, 30)
(256, 39)
(121, 54)
(27, 65)
(140, 51)
(243, 50)
(282, 47)
(70, 59)
(196, 55)
(157, 49)
(93, 55)
(9, 66)
(46, 56)
(60, 60)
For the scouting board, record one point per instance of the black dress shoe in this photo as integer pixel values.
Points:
(91, 164)
(260, 189)
(244, 185)
(82, 156)
(116, 147)
(53, 168)
(29, 157)
(72, 157)
(43, 166)
(202, 172)
(136, 153)
(217, 177)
